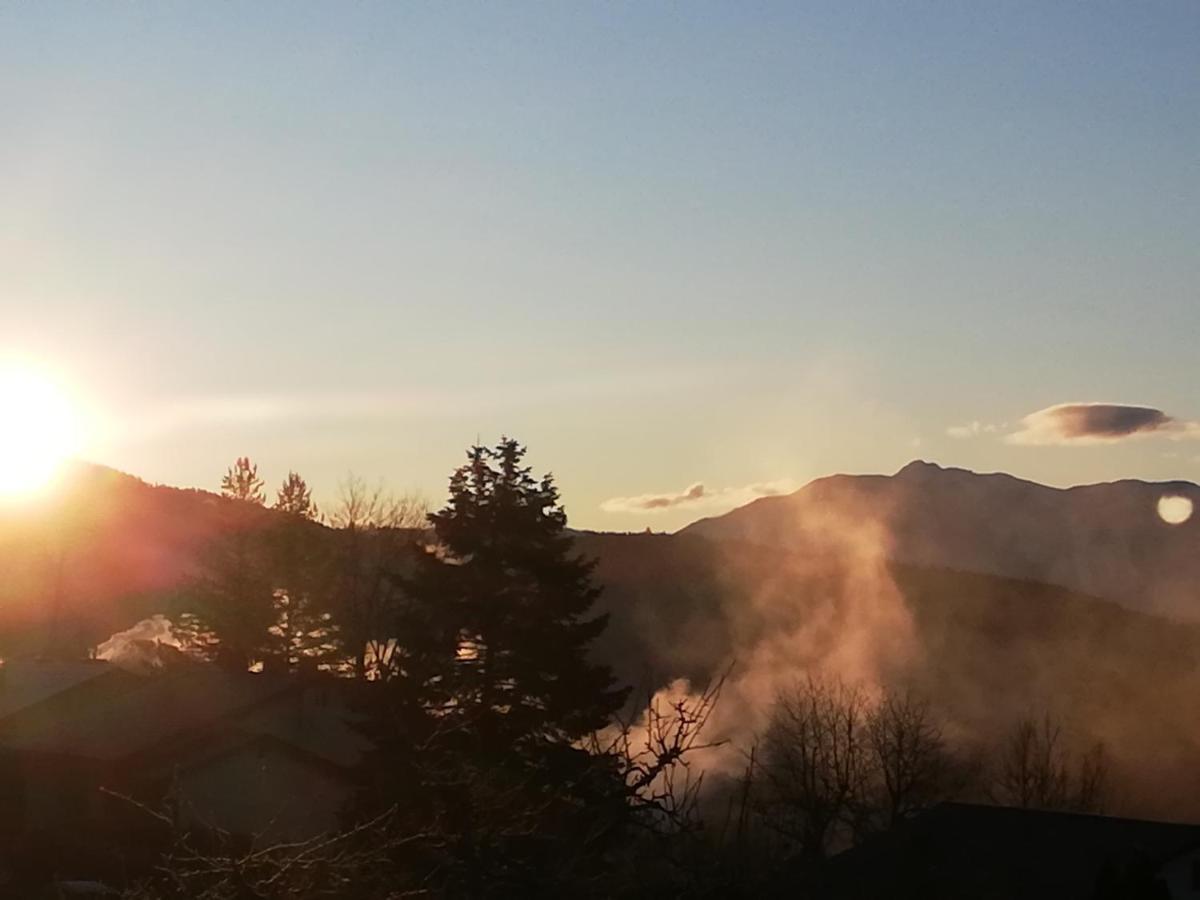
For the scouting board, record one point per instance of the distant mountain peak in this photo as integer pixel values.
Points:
(921, 470)
(919, 467)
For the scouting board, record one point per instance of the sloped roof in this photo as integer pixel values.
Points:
(234, 743)
(127, 715)
(26, 685)
(968, 850)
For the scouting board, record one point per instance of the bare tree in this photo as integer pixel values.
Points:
(912, 766)
(1092, 789)
(377, 529)
(1032, 768)
(360, 507)
(815, 762)
(1037, 769)
(652, 754)
(657, 758)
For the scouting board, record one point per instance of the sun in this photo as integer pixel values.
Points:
(38, 431)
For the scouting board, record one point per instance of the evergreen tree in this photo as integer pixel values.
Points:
(303, 632)
(478, 720)
(294, 497)
(241, 482)
(231, 606)
(505, 575)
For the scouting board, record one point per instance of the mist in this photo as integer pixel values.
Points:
(822, 586)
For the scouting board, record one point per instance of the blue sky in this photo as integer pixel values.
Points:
(661, 243)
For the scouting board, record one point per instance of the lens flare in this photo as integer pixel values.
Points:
(38, 431)
(1173, 509)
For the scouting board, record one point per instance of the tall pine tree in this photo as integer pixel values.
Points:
(505, 573)
(477, 721)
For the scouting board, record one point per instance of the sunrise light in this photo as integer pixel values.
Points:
(38, 431)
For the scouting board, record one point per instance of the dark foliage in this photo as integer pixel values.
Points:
(505, 573)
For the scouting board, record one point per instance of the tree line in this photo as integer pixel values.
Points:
(461, 637)
(836, 766)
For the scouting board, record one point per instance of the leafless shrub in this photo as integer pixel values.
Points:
(355, 863)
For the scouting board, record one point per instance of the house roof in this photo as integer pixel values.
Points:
(968, 850)
(127, 715)
(263, 742)
(25, 685)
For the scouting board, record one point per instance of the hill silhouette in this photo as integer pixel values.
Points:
(98, 552)
(1101, 539)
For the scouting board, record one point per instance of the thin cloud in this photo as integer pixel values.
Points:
(971, 430)
(1094, 423)
(184, 414)
(654, 501)
(697, 496)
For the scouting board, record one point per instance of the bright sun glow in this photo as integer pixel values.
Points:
(1174, 510)
(38, 431)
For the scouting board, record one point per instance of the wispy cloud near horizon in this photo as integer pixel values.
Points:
(697, 496)
(972, 429)
(200, 412)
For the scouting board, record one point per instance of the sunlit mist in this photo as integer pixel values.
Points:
(38, 431)
(1174, 510)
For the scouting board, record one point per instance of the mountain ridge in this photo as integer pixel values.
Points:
(922, 466)
(1105, 539)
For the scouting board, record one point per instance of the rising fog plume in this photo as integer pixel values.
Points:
(824, 598)
(982, 593)
(1080, 423)
(851, 622)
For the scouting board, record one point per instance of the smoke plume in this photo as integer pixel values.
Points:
(140, 647)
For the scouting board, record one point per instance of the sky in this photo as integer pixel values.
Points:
(688, 253)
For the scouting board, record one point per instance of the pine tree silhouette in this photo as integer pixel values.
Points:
(506, 574)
